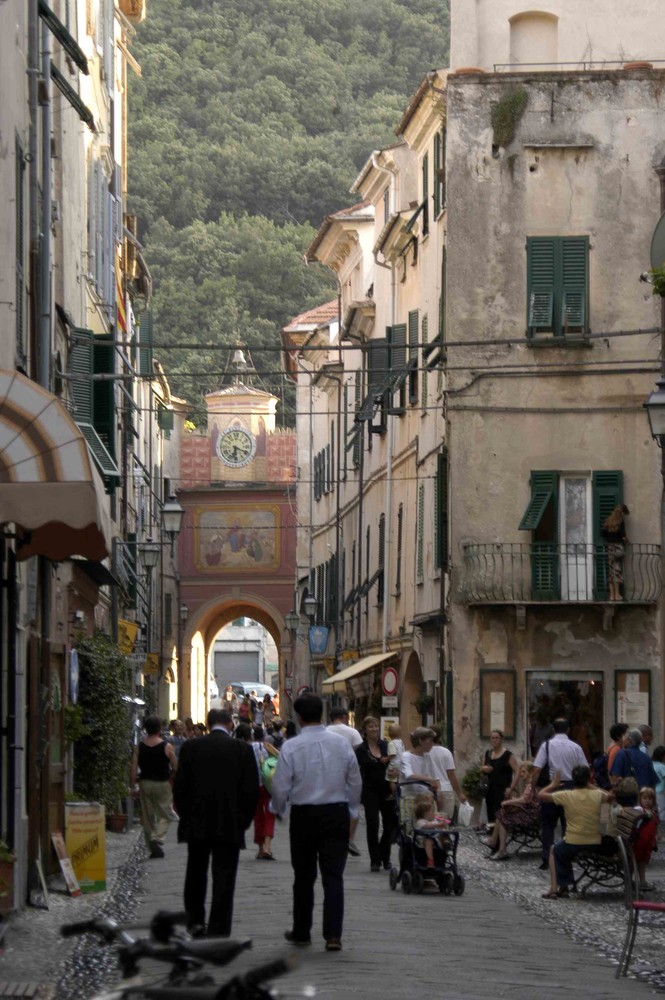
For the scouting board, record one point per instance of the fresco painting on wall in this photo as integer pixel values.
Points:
(239, 538)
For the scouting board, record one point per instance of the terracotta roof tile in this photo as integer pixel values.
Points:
(313, 317)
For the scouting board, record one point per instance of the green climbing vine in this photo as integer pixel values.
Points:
(507, 114)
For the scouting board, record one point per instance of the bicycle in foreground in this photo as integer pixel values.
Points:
(190, 960)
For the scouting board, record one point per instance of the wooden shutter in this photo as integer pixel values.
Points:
(398, 567)
(357, 440)
(398, 365)
(413, 356)
(442, 169)
(607, 493)
(541, 517)
(381, 560)
(437, 167)
(420, 540)
(425, 373)
(104, 392)
(145, 343)
(378, 361)
(574, 266)
(441, 511)
(541, 281)
(81, 363)
(425, 223)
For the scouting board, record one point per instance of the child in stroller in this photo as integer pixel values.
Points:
(418, 836)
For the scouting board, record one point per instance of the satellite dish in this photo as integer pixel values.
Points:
(658, 244)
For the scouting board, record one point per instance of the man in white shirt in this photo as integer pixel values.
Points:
(558, 754)
(317, 775)
(339, 723)
(440, 763)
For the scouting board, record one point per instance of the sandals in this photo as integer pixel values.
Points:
(561, 893)
(500, 857)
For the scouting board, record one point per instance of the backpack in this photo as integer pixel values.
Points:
(268, 770)
(601, 773)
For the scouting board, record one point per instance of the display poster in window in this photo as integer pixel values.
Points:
(85, 840)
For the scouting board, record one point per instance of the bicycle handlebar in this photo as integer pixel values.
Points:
(249, 986)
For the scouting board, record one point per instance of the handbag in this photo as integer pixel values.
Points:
(544, 777)
(483, 786)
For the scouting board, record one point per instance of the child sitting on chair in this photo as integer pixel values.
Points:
(646, 831)
(426, 818)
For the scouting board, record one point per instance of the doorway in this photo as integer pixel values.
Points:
(577, 697)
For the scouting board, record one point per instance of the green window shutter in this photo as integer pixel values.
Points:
(81, 363)
(398, 369)
(424, 374)
(145, 343)
(607, 493)
(442, 308)
(413, 356)
(332, 455)
(398, 567)
(574, 267)
(165, 419)
(441, 511)
(381, 560)
(420, 540)
(442, 171)
(542, 515)
(378, 363)
(104, 393)
(541, 282)
(437, 168)
(425, 222)
(357, 438)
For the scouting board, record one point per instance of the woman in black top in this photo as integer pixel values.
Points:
(373, 759)
(153, 763)
(500, 766)
(614, 533)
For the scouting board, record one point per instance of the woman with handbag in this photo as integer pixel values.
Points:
(372, 755)
(500, 766)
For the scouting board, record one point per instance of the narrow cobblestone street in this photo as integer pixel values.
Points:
(500, 939)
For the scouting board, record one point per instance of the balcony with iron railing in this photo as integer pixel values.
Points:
(549, 573)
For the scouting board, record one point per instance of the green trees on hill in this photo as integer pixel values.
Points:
(250, 121)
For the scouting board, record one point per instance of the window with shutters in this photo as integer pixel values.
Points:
(19, 216)
(397, 367)
(565, 515)
(441, 511)
(368, 563)
(380, 582)
(85, 357)
(420, 535)
(424, 375)
(413, 356)
(398, 562)
(377, 372)
(425, 183)
(557, 286)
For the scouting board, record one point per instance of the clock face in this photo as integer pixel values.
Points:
(236, 447)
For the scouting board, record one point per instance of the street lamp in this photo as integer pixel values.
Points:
(292, 621)
(655, 407)
(149, 554)
(172, 518)
(184, 613)
(310, 605)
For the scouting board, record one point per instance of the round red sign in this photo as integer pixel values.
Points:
(390, 681)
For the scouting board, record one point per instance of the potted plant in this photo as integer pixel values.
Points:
(424, 704)
(7, 859)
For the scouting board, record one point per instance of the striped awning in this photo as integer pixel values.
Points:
(49, 486)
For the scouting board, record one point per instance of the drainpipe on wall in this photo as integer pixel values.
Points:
(660, 170)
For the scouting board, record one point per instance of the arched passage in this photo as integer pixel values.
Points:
(412, 686)
(203, 625)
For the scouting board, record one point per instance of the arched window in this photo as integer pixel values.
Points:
(534, 38)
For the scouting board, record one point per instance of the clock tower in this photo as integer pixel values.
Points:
(241, 419)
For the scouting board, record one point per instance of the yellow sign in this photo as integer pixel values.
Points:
(86, 843)
(151, 665)
(127, 632)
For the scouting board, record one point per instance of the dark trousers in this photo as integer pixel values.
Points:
(224, 868)
(377, 804)
(564, 855)
(319, 834)
(550, 815)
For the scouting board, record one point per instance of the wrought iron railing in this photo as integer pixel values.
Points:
(497, 572)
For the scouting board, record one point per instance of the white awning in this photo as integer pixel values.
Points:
(337, 683)
(49, 486)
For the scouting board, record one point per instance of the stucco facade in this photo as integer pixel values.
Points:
(577, 175)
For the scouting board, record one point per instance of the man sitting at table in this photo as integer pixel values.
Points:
(581, 805)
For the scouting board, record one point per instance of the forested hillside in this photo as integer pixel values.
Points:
(249, 123)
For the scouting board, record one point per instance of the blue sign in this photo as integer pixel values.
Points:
(318, 639)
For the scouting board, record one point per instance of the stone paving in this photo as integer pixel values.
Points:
(500, 939)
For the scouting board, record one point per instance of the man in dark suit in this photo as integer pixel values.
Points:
(215, 794)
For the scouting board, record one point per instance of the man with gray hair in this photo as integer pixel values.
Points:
(647, 737)
(630, 762)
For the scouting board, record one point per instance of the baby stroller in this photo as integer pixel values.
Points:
(413, 872)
